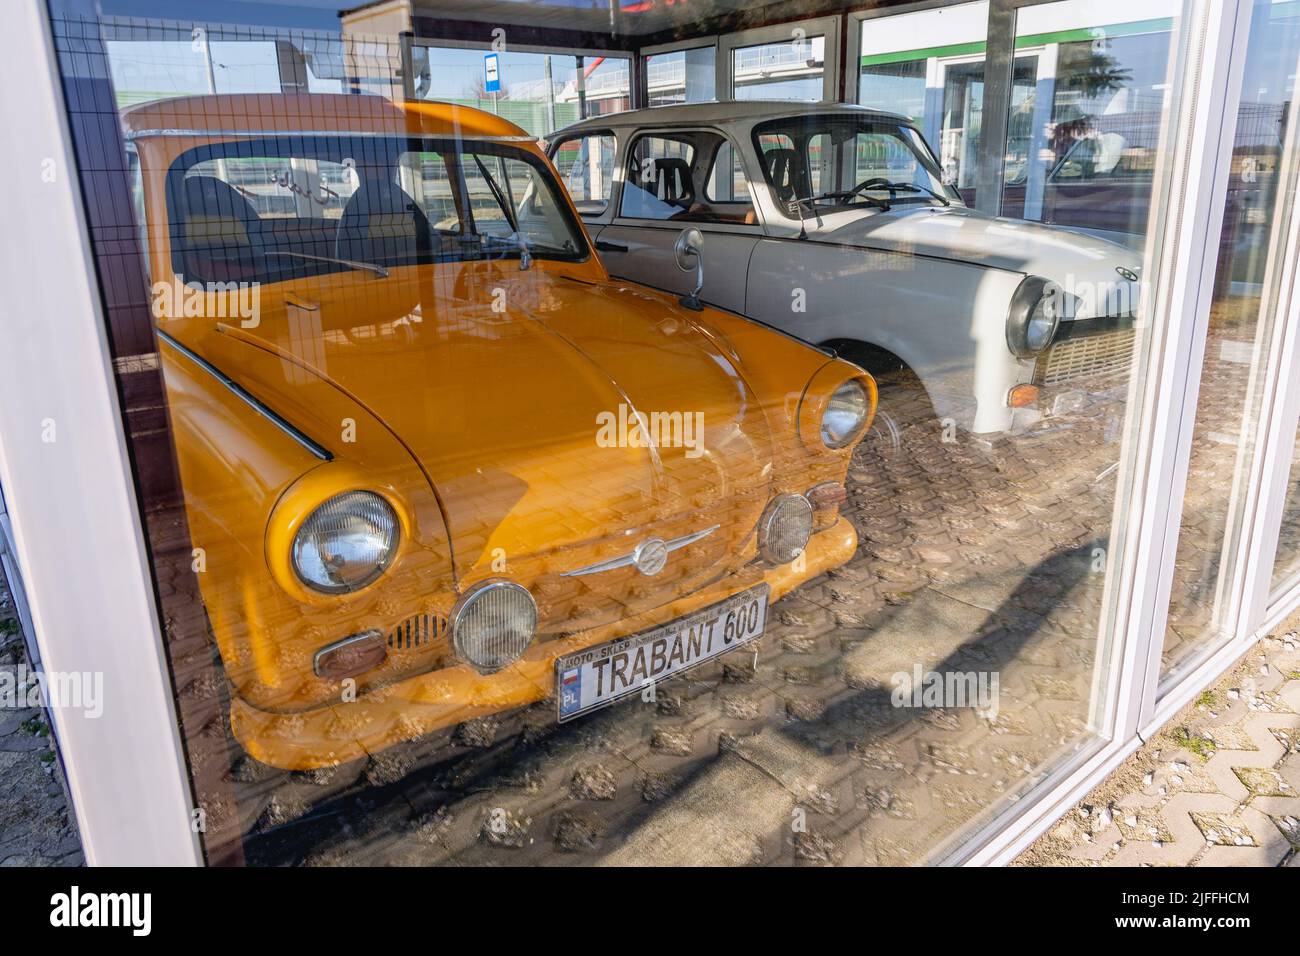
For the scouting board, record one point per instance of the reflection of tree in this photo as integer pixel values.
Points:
(477, 89)
(1085, 72)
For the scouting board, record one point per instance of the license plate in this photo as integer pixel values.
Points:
(600, 675)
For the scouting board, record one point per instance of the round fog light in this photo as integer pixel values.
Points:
(493, 624)
(784, 528)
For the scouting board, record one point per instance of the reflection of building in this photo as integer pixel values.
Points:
(1088, 97)
(541, 92)
(1088, 83)
(369, 57)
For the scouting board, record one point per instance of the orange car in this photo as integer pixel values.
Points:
(437, 464)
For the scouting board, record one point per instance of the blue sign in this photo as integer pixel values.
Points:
(491, 73)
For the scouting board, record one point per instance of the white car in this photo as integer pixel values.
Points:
(832, 222)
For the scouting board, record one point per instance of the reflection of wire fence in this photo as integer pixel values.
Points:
(161, 59)
(771, 55)
(611, 77)
(1259, 126)
(666, 70)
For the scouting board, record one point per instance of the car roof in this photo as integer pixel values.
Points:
(724, 111)
(304, 113)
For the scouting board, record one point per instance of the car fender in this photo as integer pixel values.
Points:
(945, 319)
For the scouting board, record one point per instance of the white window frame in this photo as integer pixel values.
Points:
(828, 27)
(698, 43)
(72, 502)
(1212, 44)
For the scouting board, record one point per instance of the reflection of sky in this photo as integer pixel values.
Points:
(160, 68)
(1274, 39)
(302, 14)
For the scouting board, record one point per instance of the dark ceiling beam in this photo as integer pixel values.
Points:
(475, 31)
(761, 16)
(427, 26)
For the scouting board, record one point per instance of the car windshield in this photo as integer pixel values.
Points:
(843, 161)
(268, 210)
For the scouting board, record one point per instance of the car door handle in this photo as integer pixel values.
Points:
(604, 245)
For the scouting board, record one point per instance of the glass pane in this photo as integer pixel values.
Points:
(682, 76)
(897, 87)
(963, 121)
(726, 182)
(1261, 197)
(1083, 141)
(586, 167)
(789, 70)
(1287, 565)
(477, 546)
(658, 181)
(929, 67)
(541, 92)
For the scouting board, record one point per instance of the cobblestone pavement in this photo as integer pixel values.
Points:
(1219, 785)
(972, 559)
(35, 827)
(791, 754)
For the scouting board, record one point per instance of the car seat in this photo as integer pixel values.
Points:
(218, 233)
(382, 224)
(788, 173)
(672, 181)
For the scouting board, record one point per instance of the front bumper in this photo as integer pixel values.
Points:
(336, 733)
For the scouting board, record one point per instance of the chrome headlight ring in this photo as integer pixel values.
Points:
(492, 624)
(845, 414)
(1033, 317)
(346, 543)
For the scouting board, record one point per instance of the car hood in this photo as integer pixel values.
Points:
(518, 396)
(1084, 266)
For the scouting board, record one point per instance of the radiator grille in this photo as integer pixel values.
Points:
(1089, 356)
(416, 631)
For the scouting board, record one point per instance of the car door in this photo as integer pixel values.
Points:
(674, 179)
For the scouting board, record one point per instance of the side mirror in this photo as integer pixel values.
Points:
(689, 251)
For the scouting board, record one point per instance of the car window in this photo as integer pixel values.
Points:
(663, 182)
(425, 177)
(805, 158)
(884, 156)
(293, 206)
(660, 178)
(726, 181)
(284, 187)
(586, 167)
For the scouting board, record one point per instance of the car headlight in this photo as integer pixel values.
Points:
(845, 414)
(346, 543)
(493, 624)
(1033, 317)
(784, 528)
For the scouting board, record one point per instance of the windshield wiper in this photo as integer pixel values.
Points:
(378, 270)
(525, 257)
(880, 204)
(914, 188)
